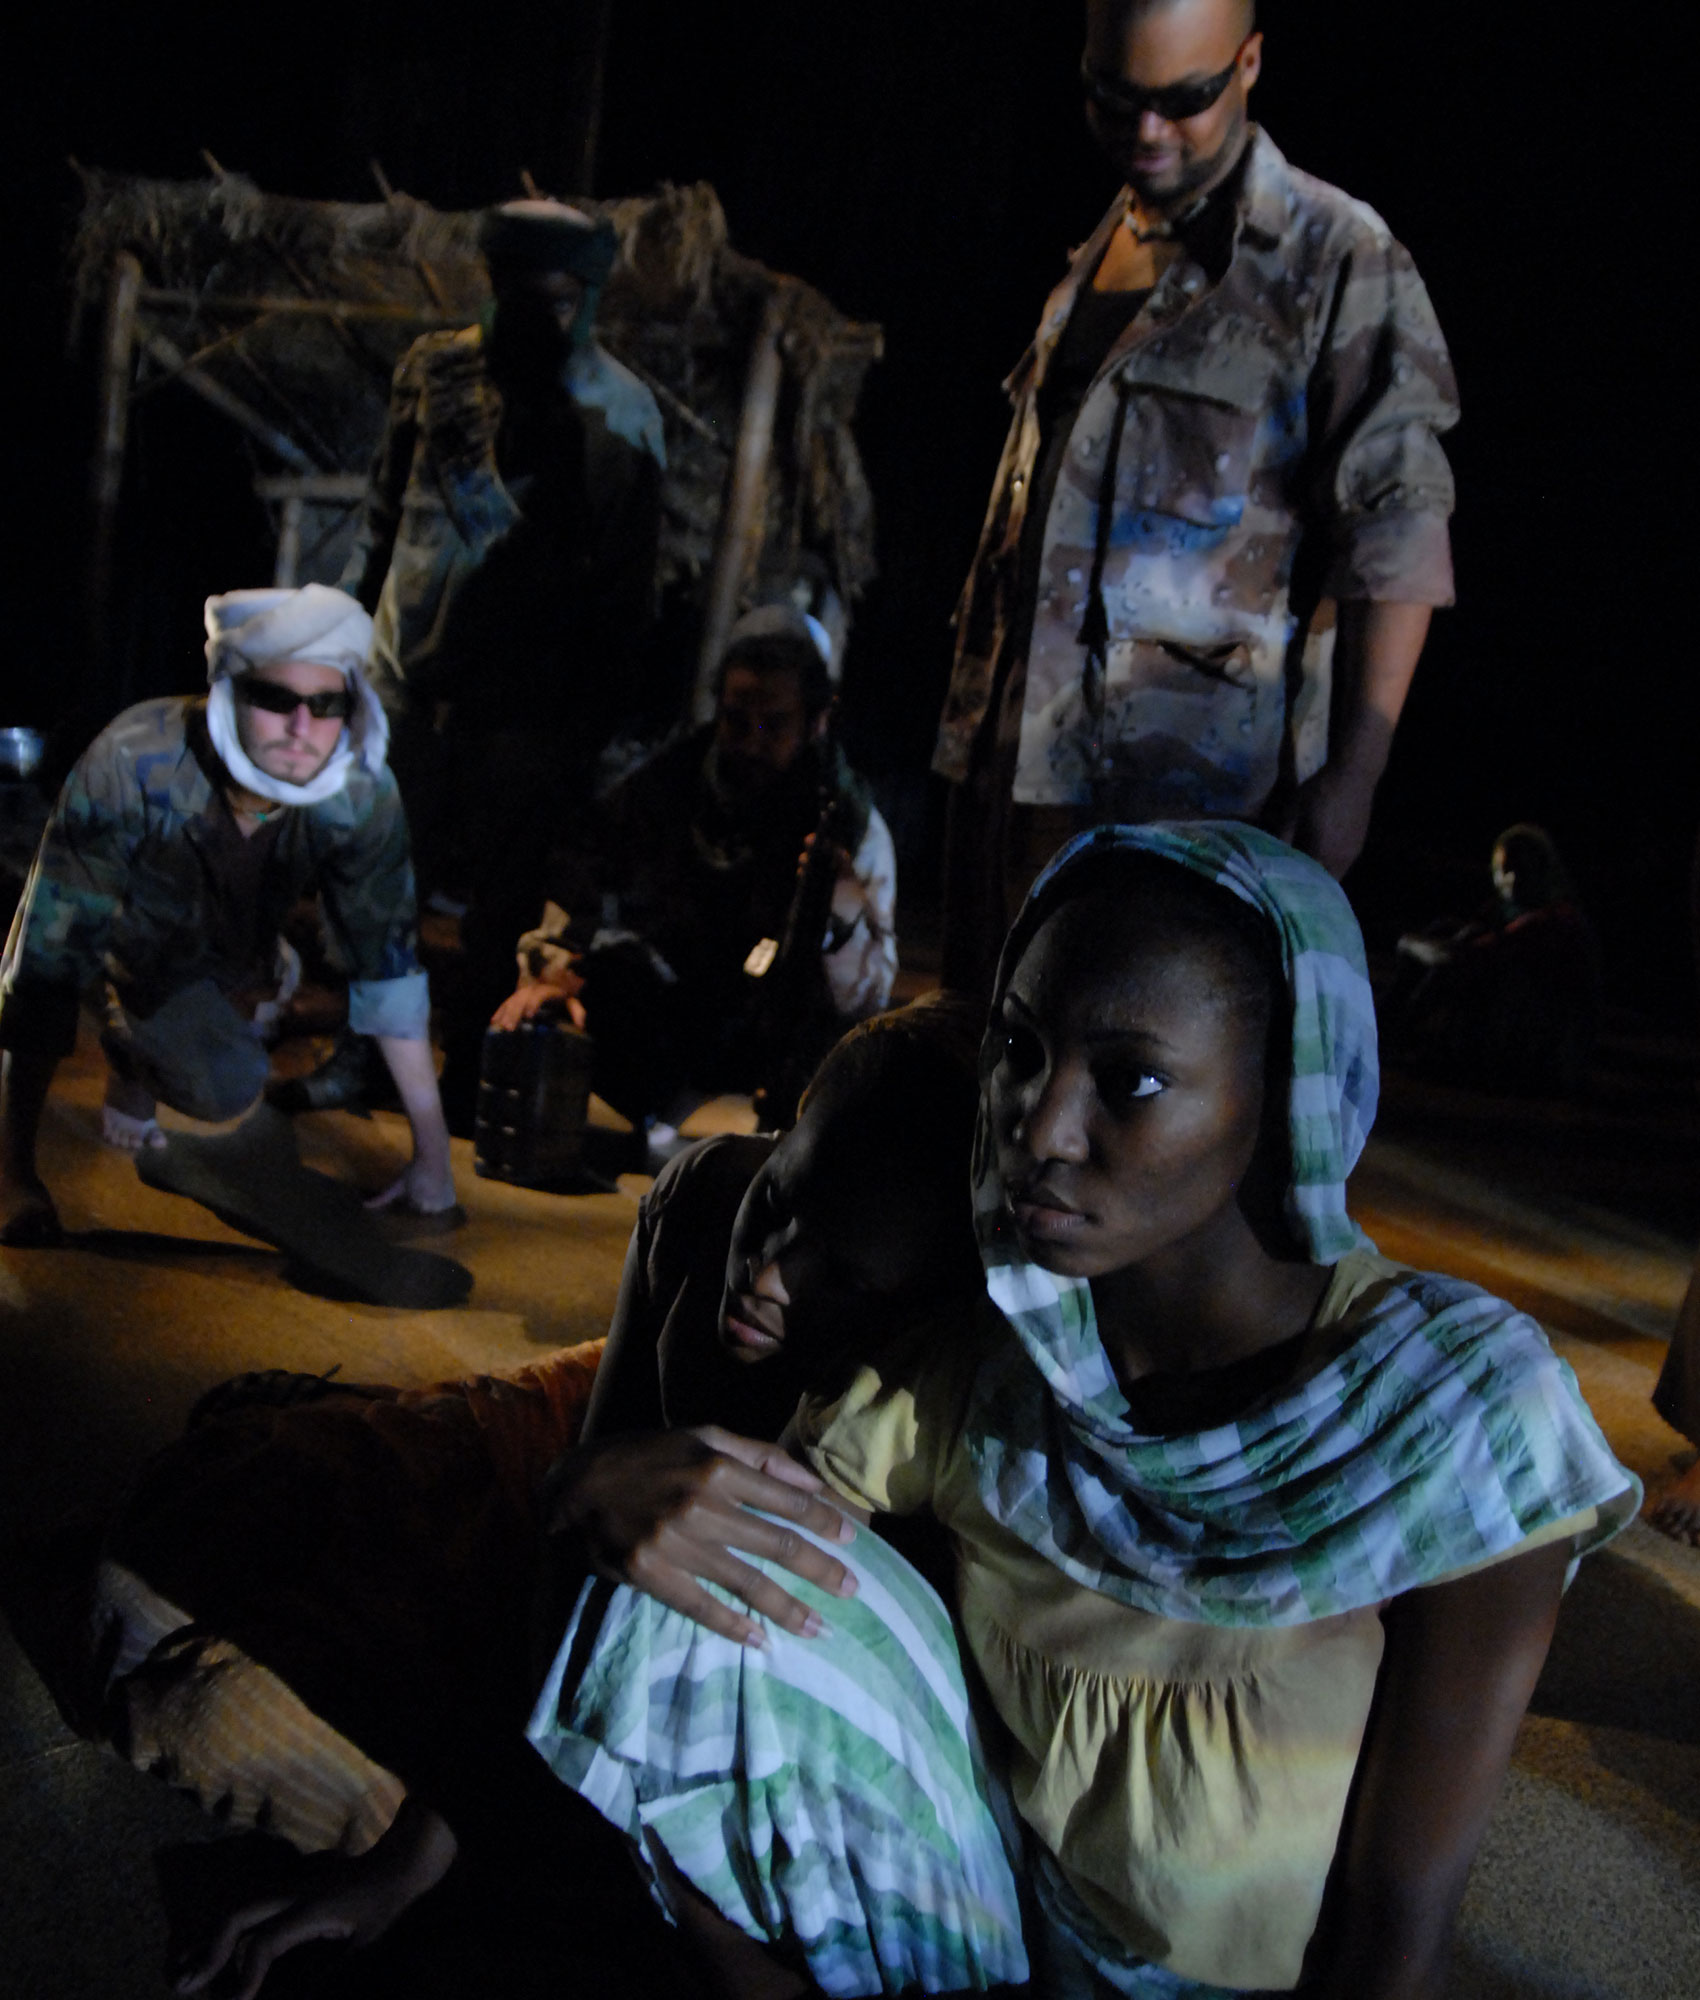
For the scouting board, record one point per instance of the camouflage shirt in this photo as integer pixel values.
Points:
(437, 506)
(125, 887)
(1271, 436)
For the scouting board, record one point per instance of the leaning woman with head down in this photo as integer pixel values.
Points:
(1260, 1538)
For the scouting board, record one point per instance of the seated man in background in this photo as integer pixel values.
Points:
(181, 839)
(670, 913)
(1510, 999)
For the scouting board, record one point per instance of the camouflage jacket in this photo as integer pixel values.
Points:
(1275, 438)
(121, 888)
(436, 505)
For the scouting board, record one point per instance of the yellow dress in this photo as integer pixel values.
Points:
(1189, 1780)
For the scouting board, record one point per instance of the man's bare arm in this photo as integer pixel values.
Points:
(429, 1182)
(1376, 649)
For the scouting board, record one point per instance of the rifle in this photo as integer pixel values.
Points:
(792, 994)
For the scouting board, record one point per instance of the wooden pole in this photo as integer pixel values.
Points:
(161, 350)
(428, 277)
(106, 473)
(339, 309)
(288, 544)
(742, 520)
(292, 265)
(293, 493)
(586, 60)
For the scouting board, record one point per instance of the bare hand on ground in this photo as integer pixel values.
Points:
(28, 1219)
(365, 1897)
(426, 1189)
(661, 1512)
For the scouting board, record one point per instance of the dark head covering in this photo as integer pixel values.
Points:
(780, 635)
(548, 236)
(1335, 1078)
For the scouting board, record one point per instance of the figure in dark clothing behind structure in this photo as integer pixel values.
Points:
(506, 549)
(1509, 1000)
(687, 868)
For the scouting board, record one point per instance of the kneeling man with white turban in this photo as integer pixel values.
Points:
(181, 839)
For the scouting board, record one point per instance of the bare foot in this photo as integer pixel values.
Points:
(28, 1219)
(1677, 1512)
(127, 1121)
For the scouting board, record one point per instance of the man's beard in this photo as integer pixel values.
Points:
(1195, 175)
(268, 759)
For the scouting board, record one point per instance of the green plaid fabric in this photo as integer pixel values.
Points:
(827, 1795)
(1444, 1435)
(1336, 1075)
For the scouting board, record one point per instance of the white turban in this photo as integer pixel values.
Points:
(314, 624)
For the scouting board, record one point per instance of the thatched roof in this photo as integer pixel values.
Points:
(226, 269)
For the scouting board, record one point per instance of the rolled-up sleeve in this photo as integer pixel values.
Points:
(1381, 400)
(398, 1007)
(57, 947)
(366, 886)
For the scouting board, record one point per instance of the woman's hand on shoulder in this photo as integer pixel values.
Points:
(666, 1511)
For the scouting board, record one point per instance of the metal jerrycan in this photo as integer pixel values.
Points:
(533, 1103)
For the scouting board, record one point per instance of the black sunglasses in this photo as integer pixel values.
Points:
(330, 704)
(1173, 102)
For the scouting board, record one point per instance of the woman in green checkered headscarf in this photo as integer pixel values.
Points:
(1194, 1227)
(1244, 1449)
(1224, 1485)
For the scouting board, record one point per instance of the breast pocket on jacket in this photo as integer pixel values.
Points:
(1184, 458)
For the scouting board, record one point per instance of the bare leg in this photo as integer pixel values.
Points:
(27, 1214)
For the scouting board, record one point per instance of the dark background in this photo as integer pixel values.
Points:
(925, 165)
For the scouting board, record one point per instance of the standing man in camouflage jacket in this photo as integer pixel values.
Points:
(1220, 521)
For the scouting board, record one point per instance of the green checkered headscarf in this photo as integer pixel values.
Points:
(1335, 1075)
(1442, 1436)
